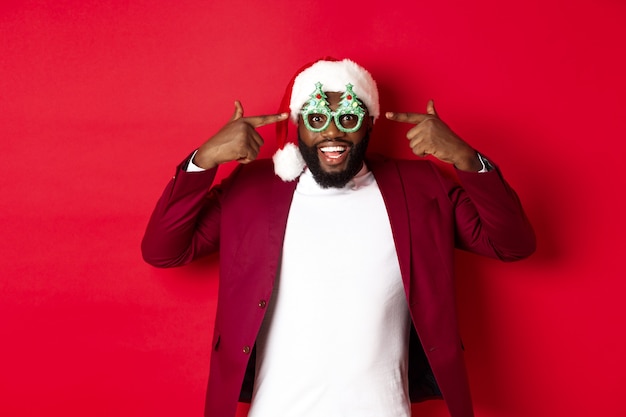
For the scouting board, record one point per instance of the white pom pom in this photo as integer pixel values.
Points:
(288, 162)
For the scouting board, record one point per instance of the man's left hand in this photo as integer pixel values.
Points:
(431, 136)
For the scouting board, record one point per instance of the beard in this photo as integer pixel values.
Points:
(356, 156)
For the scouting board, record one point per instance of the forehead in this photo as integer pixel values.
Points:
(334, 97)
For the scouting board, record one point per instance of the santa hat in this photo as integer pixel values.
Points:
(334, 75)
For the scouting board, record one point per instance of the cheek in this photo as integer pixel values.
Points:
(357, 137)
(306, 135)
(365, 129)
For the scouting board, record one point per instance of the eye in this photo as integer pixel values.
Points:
(317, 120)
(348, 120)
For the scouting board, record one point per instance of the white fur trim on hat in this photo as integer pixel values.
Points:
(288, 162)
(334, 76)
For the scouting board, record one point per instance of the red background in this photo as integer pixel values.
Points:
(100, 100)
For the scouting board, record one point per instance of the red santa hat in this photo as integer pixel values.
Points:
(334, 75)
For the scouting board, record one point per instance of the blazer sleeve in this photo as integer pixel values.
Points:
(185, 223)
(489, 217)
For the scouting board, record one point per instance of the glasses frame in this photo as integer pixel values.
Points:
(336, 117)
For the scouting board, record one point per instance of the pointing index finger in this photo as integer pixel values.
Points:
(258, 121)
(414, 118)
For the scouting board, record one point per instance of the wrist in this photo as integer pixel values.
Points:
(203, 160)
(470, 162)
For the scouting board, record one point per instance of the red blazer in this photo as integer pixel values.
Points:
(245, 219)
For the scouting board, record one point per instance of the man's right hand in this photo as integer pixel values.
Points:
(236, 141)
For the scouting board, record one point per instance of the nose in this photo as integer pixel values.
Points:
(332, 132)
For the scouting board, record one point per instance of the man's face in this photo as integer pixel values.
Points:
(334, 156)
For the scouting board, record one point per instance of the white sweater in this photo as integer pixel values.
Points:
(335, 338)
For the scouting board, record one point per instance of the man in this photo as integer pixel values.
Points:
(336, 293)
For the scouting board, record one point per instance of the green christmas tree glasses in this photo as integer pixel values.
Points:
(348, 117)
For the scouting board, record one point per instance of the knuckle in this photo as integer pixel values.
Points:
(241, 127)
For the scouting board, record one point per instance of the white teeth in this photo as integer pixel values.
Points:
(333, 149)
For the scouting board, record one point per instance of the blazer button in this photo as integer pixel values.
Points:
(246, 349)
(262, 304)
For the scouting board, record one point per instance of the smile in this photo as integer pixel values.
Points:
(333, 152)
(333, 155)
